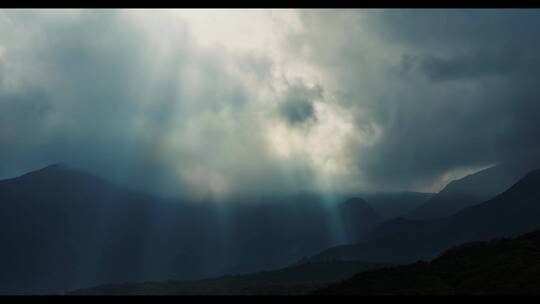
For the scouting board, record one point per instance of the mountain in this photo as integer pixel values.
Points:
(395, 204)
(510, 213)
(357, 217)
(497, 267)
(64, 229)
(299, 279)
(470, 190)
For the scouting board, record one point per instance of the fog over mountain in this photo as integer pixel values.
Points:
(216, 105)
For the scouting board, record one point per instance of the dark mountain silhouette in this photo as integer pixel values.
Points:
(395, 204)
(358, 217)
(502, 267)
(64, 229)
(471, 190)
(291, 280)
(510, 213)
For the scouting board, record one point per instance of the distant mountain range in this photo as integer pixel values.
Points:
(390, 205)
(497, 267)
(64, 229)
(515, 211)
(471, 190)
(477, 268)
(461, 270)
(294, 280)
(500, 266)
(357, 218)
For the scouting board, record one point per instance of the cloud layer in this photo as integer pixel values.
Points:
(181, 102)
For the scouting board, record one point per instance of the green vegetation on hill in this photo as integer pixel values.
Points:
(300, 279)
(503, 266)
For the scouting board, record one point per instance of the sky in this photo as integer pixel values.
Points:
(230, 103)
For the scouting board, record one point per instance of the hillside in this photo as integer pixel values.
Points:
(470, 190)
(502, 267)
(511, 213)
(64, 229)
(357, 217)
(291, 280)
(392, 205)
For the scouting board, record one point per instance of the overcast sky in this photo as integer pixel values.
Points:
(239, 102)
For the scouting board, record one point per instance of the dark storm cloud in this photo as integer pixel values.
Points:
(298, 107)
(428, 92)
(453, 30)
(97, 101)
(467, 66)
(102, 91)
(489, 114)
(447, 89)
(296, 111)
(88, 118)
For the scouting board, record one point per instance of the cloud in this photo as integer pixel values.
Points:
(140, 101)
(464, 67)
(321, 99)
(435, 91)
(297, 107)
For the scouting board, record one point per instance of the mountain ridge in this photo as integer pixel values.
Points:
(471, 190)
(514, 211)
(477, 268)
(65, 229)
